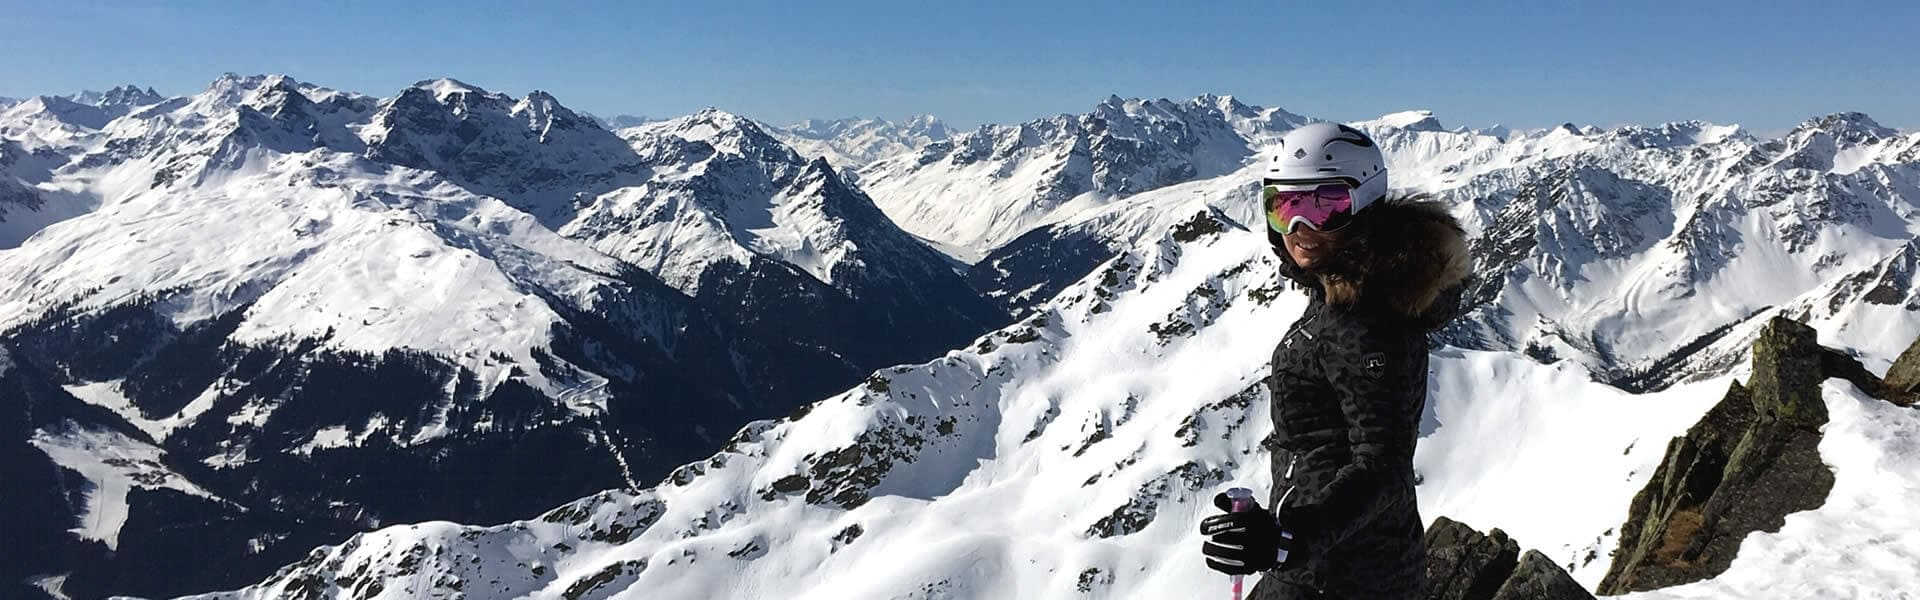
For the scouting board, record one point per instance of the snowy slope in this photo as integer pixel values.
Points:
(113, 464)
(332, 339)
(1068, 454)
(344, 252)
(1629, 249)
(736, 219)
(852, 143)
(985, 187)
(1649, 254)
(1031, 269)
(722, 188)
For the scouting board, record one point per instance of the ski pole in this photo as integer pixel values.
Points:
(1242, 499)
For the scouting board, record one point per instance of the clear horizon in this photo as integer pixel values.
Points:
(1475, 65)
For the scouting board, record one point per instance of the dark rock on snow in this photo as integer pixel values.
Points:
(1751, 461)
(1537, 578)
(1902, 385)
(1464, 564)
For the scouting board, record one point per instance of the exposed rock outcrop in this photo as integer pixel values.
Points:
(1538, 578)
(1751, 461)
(1902, 385)
(1464, 564)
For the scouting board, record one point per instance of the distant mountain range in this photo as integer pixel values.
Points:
(323, 311)
(271, 316)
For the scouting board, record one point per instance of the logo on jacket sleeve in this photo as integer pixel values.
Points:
(1374, 363)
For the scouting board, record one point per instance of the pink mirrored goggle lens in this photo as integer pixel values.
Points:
(1324, 208)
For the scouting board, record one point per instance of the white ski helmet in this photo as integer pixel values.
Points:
(1329, 152)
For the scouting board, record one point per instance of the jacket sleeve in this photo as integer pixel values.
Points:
(1374, 380)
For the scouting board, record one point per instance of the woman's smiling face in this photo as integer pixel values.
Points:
(1308, 246)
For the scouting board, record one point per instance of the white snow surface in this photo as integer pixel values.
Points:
(53, 585)
(107, 395)
(997, 471)
(113, 464)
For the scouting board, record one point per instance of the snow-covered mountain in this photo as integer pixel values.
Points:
(1071, 454)
(127, 95)
(853, 143)
(532, 152)
(264, 317)
(53, 122)
(332, 311)
(982, 188)
(1638, 251)
(731, 216)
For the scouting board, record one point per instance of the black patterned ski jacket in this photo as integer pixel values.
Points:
(1348, 389)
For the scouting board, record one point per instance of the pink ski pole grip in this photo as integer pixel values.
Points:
(1242, 499)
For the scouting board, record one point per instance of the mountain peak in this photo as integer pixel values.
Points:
(127, 95)
(544, 114)
(1678, 133)
(231, 90)
(444, 87)
(710, 123)
(1411, 120)
(1849, 126)
(62, 109)
(1226, 104)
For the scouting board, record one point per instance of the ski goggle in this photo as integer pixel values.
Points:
(1325, 208)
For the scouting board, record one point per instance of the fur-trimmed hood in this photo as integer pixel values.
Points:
(1407, 256)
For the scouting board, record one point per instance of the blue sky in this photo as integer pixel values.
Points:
(1524, 64)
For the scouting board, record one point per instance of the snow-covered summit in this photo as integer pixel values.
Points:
(984, 187)
(851, 143)
(51, 120)
(1414, 120)
(128, 95)
(724, 196)
(532, 152)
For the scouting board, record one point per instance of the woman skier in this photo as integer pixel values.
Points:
(1349, 379)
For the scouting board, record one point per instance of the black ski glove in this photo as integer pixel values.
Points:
(1249, 541)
